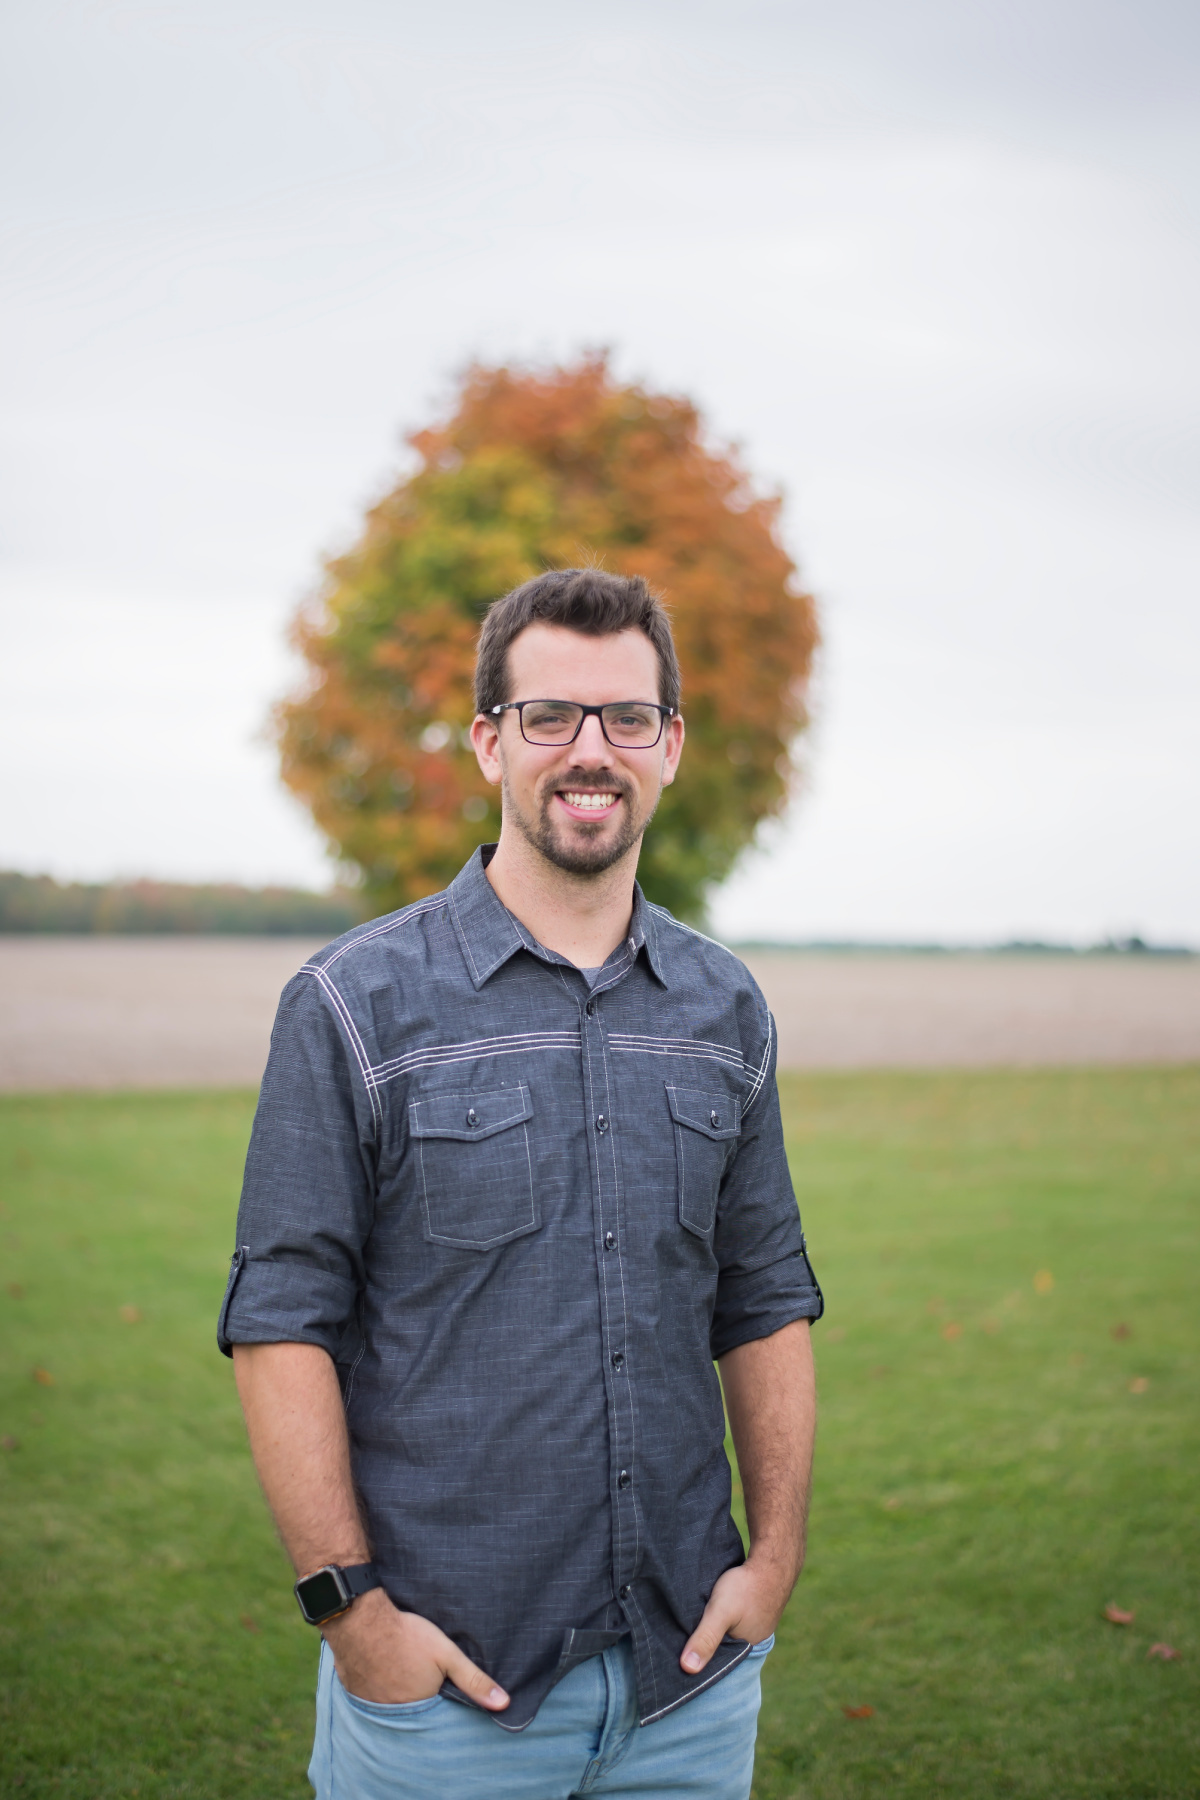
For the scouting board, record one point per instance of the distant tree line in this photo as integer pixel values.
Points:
(37, 903)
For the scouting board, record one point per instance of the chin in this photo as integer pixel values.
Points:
(585, 850)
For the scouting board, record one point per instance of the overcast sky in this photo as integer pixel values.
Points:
(936, 267)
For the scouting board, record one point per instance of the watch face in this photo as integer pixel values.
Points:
(320, 1595)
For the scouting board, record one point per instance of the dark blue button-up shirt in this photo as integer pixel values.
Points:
(523, 1210)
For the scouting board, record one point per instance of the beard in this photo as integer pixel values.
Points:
(574, 847)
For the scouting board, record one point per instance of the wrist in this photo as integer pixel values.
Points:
(339, 1559)
(363, 1614)
(775, 1564)
(333, 1589)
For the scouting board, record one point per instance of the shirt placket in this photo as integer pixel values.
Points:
(612, 1265)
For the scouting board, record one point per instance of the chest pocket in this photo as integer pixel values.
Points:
(475, 1168)
(707, 1127)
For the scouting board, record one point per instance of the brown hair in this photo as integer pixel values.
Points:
(588, 600)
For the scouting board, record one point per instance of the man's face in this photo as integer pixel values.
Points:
(582, 805)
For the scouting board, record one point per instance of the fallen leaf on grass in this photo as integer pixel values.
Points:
(16, 1290)
(43, 1377)
(1116, 1615)
(859, 1712)
(131, 1314)
(1164, 1652)
(951, 1331)
(10, 1443)
(991, 1326)
(250, 1624)
(1139, 1384)
(1121, 1331)
(893, 1503)
(880, 1370)
(1043, 1282)
(835, 1335)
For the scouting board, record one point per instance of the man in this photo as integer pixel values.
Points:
(516, 1179)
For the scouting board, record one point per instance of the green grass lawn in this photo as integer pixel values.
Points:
(994, 1464)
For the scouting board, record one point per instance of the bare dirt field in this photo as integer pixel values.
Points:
(125, 1012)
(130, 1012)
(862, 1010)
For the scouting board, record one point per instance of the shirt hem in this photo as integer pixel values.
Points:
(692, 1692)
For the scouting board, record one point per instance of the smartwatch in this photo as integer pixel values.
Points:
(330, 1591)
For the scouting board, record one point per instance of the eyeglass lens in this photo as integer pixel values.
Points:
(626, 723)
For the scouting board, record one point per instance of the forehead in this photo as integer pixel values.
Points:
(551, 662)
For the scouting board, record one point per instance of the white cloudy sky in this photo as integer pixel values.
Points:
(935, 266)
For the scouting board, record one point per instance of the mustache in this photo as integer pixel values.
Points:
(602, 780)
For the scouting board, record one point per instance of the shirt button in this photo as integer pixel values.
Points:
(624, 1479)
(610, 1242)
(618, 1359)
(623, 1593)
(590, 1008)
(472, 1116)
(714, 1120)
(601, 1124)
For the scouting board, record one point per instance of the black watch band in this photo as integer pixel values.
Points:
(333, 1590)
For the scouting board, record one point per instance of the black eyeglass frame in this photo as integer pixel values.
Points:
(518, 706)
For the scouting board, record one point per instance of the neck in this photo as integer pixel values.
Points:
(582, 917)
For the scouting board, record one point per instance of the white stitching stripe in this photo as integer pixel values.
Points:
(659, 1046)
(356, 1043)
(660, 912)
(436, 1056)
(410, 912)
(756, 1085)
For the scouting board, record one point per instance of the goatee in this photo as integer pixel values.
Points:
(586, 852)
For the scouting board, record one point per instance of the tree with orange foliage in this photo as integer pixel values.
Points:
(535, 470)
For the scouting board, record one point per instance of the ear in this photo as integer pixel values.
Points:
(485, 741)
(674, 736)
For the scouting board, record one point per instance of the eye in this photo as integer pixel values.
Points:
(547, 716)
(632, 724)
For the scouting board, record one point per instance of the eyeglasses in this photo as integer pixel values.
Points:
(627, 724)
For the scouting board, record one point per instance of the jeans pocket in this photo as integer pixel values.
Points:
(394, 1712)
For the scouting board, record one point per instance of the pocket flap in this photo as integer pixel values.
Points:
(716, 1115)
(470, 1116)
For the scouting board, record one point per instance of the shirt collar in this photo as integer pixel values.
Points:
(489, 934)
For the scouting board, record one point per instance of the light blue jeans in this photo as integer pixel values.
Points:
(585, 1740)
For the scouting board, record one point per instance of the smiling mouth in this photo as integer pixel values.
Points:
(581, 800)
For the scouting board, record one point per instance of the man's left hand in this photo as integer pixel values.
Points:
(746, 1603)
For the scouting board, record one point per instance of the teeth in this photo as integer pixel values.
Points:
(591, 802)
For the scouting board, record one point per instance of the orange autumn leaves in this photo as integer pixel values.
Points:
(1158, 1652)
(536, 470)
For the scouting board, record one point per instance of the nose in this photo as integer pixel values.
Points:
(591, 744)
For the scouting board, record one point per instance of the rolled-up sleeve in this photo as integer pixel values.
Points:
(766, 1280)
(308, 1197)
